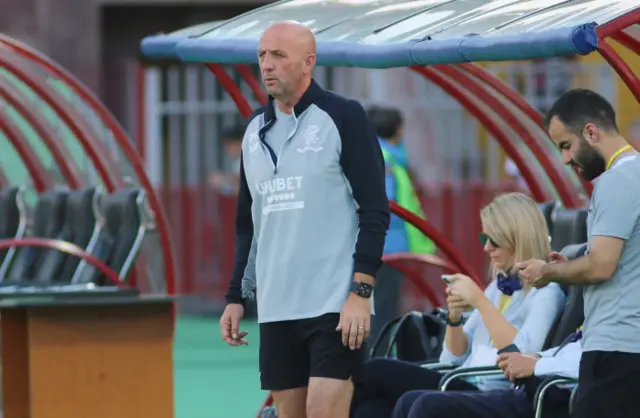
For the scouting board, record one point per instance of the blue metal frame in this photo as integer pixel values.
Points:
(581, 39)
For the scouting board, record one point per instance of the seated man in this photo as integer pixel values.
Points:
(514, 403)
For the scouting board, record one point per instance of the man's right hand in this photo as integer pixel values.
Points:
(230, 325)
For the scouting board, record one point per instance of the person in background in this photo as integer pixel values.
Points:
(227, 181)
(401, 236)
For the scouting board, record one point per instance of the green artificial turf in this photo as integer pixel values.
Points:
(213, 380)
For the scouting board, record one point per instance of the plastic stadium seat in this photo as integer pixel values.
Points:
(547, 209)
(569, 227)
(120, 238)
(78, 227)
(12, 217)
(47, 222)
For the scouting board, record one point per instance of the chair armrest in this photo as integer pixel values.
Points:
(468, 372)
(435, 366)
(544, 386)
(67, 248)
(572, 399)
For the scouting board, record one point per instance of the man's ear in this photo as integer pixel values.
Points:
(310, 62)
(590, 133)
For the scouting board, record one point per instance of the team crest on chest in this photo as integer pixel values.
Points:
(312, 141)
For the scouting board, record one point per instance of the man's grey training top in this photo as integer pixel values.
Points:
(612, 307)
(316, 206)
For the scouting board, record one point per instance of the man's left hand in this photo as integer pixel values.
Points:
(532, 271)
(355, 321)
(516, 365)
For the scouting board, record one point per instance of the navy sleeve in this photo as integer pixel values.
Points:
(244, 236)
(363, 166)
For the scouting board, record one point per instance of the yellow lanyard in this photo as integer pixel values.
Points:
(504, 303)
(617, 154)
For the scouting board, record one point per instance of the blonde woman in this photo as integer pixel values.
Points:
(507, 312)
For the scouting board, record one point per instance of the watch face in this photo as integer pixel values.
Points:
(364, 290)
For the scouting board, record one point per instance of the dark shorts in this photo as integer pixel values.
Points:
(293, 351)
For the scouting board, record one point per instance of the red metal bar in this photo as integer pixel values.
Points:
(619, 24)
(627, 41)
(126, 145)
(415, 278)
(46, 133)
(232, 88)
(99, 155)
(570, 198)
(248, 77)
(624, 71)
(67, 248)
(615, 29)
(518, 101)
(41, 180)
(430, 259)
(537, 190)
(438, 238)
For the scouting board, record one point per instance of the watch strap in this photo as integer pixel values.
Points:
(454, 324)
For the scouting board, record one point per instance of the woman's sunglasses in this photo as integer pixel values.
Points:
(484, 238)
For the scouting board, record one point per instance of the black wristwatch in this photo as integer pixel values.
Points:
(454, 324)
(362, 289)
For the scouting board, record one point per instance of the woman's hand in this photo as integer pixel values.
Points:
(456, 306)
(465, 289)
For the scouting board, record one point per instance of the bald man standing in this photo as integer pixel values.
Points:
(312, 200)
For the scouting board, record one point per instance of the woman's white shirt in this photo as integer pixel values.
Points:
(532, 315)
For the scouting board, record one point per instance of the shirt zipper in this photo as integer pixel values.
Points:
(291, 134)
(270, 150)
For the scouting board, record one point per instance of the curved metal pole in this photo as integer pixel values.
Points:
(438, 238)
(425, 227)
(518, 101)
(248, 77)
(627, 41)
(570, 198)
(232, 89)
(415, 278)
(624, 71)
(66, 248)
(41, 180)
(46, 133)
(619, 24)
(538, 192)
(430, 259)
(615, 29)
(98, 154)
(162, 224)
(498, 85)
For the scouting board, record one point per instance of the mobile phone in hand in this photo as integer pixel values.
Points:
(447, 278)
